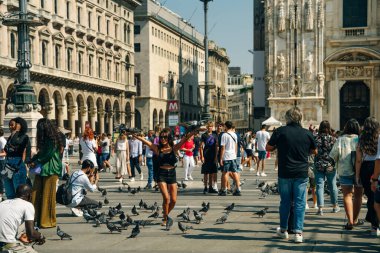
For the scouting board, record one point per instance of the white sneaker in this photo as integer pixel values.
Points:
(375, 232)
(141, 176)
(263, 174)
(132, 179)
(258, 174)
(252, 169)
(307, 206)
(186, 179)
(298, 238)
(283, 235)
(191, 178)
(76, 212)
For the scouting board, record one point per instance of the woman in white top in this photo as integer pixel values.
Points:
(122, 156)
(88, 146)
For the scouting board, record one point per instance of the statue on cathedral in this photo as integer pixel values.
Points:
(269, 83)
(281, 66)
(321, 14)
(321, 83)
(281, 17)
(292, 17)
(309, 17)
(309, 66)
(269, 13)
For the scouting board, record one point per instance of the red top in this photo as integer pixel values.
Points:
(188, 145)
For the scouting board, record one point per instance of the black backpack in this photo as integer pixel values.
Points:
(64, 192)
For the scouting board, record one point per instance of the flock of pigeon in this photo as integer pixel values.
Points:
(117, 220)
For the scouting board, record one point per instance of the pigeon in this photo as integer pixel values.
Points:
(129, 188)
(169, 223)
(97, 223)
(122, 216)
(263, 212)
(183, 185)
(138, 189)
(118, 207)
(104, 192)
(134, 191)
(188, 211)
(111, 227)
(62, 234)
(154, 215)
(141, 203)
(129, 219)
(204, 204)
(223, 219)
(120, 189)
(134, 211)
(205, 208)
(198, 217)
(124, 224)
(112, 212)
(102, 218)
(87, 216)
(242, 182)
(106, 201)
(183, 227)
(100, 189)
(230, 207)
(135, 231)
(184, 216)
(144, 223)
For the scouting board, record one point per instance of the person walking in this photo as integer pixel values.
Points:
(167, 162)
(365, 163)
(209, 158)
(375, 185)
(135, 152)
(188, 158)
(49, 148)
(342, 155)
(262, 137)
(18, 152)
(89, 146)
(294, 144)
(149, 159)
(228, 156)
(3, 142)
(122, 156)
(197, 144)
(325, 167)
(106, 152)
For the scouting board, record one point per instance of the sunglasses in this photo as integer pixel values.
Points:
(163, 137)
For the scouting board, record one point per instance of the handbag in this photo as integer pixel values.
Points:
(9, 170)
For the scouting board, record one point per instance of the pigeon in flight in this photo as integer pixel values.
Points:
(184, 227)
(62, 234)
(135, 231)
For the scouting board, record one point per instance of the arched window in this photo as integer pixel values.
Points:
(355, 13)
(13, 46)
(57, 56)
(44, 53)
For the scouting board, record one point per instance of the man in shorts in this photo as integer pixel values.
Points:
(209, 159)
(262, 138)
(228, 156)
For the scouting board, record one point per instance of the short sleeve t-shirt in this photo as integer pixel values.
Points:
(262, 138)
(106, 146)
(14, 212)
(229, 141)
(188, 145)
(210, 142)
(3, 142)
(294, 144)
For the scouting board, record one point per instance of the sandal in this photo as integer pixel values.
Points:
(348, 226)
(359, 222)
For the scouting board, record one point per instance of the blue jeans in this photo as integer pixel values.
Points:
(292, 190)
(2, 164)
(149, 164)
(331, 184)
(17, 179)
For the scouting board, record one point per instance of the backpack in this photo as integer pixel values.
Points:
(64, 192)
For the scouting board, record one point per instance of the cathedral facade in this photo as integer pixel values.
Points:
(323, 56)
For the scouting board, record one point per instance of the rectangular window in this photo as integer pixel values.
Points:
(78, 15)
(57, 56)
(108, 27)
(42, 4)
(56, 6)
(137, 29)
(117, 71)
(80, 63)
(99, 21)
(138, 83)
(67, 10)
(89, 19)
(100, 67)
(90, 60)
(137, 47)
(108, 70)
(69, 58)
(116, 30)
(355, 13)
(190, 94)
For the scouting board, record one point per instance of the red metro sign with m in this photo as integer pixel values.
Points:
(173, 106)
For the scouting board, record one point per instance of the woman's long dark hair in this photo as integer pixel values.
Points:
(324, 127)
(23, 124)
(369, 136)
(351, 127)
(168, 132)
(47, 131)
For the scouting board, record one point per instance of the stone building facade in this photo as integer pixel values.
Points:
(83, 62)
(169, 66)
(218, 76)
(323, 56)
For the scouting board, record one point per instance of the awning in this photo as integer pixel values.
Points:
(271, 122)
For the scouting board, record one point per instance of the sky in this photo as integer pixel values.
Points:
(229, 25)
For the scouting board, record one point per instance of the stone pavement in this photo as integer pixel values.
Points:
(243, 232)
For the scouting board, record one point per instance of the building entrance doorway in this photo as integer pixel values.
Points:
(354, 102)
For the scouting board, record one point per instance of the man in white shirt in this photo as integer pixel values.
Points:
(3, 142)
(228, 154)
(15, 212)
(80, 180)
(135, 152)
(262, 138)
